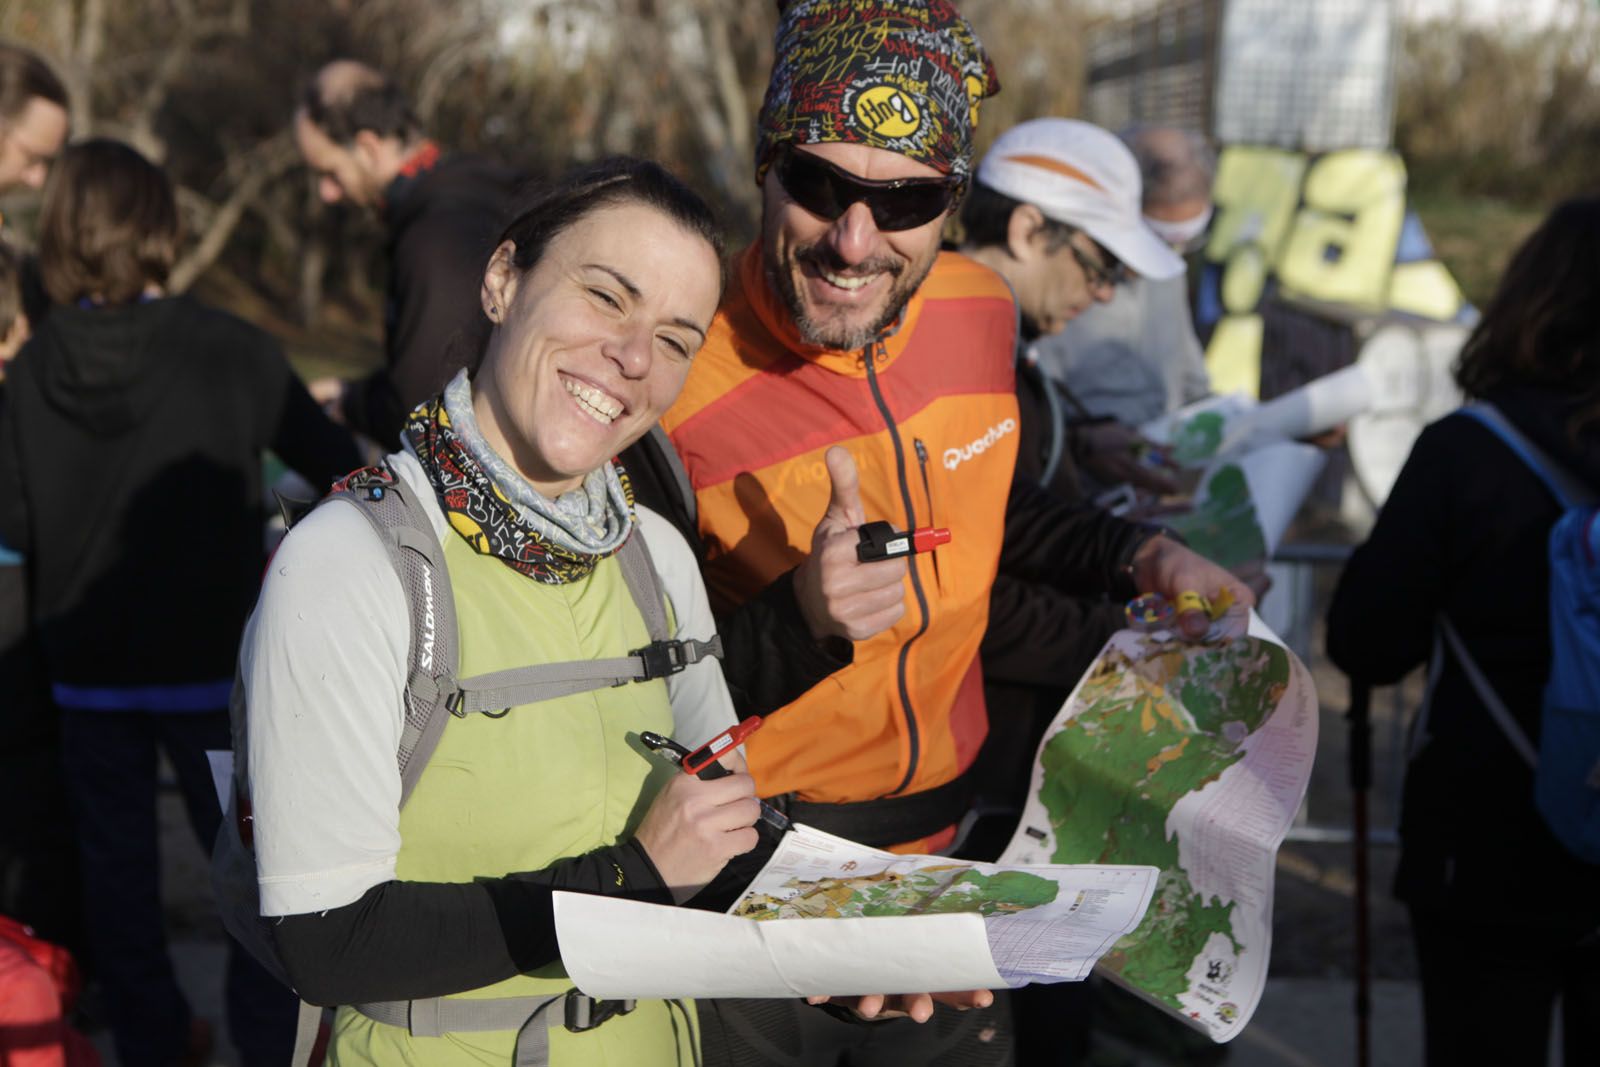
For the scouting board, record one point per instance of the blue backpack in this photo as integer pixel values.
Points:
(1567, 763)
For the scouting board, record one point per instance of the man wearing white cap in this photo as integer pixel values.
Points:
(1136, 356)
(1055, 210)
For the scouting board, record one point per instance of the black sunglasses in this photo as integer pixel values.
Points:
(828, 191)
(1109, 273)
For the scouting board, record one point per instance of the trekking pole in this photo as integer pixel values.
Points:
(1360, 756)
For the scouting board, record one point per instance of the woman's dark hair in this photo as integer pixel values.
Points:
(374, 103)
(1542, 326)
(553, 209)
(986, 220)
(109, 225)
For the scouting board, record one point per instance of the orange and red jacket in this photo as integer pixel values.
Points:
(929, 413)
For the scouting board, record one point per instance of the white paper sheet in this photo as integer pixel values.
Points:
(621, 948)
(1315, 407)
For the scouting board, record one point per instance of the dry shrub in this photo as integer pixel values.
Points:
(1493, 111)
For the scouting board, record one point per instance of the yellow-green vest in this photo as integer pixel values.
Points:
(542, 783)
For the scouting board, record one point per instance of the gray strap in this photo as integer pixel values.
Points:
(307, 1023)
(546, 681)
(639, 571)
(1491, 700)
(433, 1016)
(432, 652)
(680, 473)
(533, 1038)
(1568, 489)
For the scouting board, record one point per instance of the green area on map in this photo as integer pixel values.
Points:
(1148, 730)
(1198, 438)
(1223, 526)
(931, 890)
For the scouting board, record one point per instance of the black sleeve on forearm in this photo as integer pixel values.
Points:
(1041, 636)
(769, 656)
(307, 440)
(411, 940)
(1078, 548)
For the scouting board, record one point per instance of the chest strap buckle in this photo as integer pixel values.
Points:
(585, 1013)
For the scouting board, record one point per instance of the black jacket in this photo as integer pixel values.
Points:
(130, 476)
(1463, 533)
(443, 224)
(1041, 635)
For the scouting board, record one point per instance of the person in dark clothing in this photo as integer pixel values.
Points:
(358, 134)
(1463, 537)
(38, 867)
(130, 480)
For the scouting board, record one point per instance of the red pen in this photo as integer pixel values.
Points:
(707, 754)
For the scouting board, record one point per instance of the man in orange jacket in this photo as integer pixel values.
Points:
(857, 373)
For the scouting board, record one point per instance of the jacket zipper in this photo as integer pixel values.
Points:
(912, 732)
(927, 492)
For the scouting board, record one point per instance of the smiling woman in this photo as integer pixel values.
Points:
(601, 291)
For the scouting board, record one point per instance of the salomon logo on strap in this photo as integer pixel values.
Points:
(427, 619)
(954, 457)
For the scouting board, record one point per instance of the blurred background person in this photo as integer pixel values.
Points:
(1055, 210)
(1135, 356)
(130, 468)
(38, 857)
(357, 132)
(1463, 538)
(33, 118)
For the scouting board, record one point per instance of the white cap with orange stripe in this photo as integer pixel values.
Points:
(1077, 173)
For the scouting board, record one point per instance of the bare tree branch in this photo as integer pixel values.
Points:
(270, 159)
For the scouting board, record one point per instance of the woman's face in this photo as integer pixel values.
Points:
(593, 343)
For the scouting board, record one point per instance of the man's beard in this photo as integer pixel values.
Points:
(826, 331)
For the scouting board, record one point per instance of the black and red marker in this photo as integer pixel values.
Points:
(880, 540)
(702, 762)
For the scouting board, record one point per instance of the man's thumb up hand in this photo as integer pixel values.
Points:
(844, 498)
(838, 594)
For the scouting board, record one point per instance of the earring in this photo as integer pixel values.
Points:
(494, 312)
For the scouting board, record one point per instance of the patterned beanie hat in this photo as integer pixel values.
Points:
(902, 75)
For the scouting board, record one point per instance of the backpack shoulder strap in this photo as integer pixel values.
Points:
(684, 488)
(433, 651)
(1568, 490)
(644, 585)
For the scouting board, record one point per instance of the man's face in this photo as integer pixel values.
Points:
(30, 142)
(845, 280)
(342, 174)
(1059, 280)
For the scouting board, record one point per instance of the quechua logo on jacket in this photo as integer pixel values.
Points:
(954, 457)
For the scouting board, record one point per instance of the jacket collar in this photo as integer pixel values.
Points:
(770, 310)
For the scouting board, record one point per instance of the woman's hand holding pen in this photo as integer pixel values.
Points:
(694, 826)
